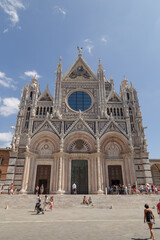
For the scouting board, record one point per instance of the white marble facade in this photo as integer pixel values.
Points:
(51, 132)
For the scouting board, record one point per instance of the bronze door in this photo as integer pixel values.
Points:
(79, 175)
(115, 175)
(43, 177)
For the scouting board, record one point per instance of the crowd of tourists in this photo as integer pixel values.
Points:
(47, 203)
(132, 189)
(11, 190)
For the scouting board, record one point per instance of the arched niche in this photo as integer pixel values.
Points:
(113, 144)
(155, 169)
(79, 142)
(45, 143)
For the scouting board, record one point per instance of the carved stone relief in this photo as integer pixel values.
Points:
(112, 149)
(45, 149)
(79, 146)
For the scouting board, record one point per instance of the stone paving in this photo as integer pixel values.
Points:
(78, 221)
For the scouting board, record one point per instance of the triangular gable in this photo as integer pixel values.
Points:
(79, 69)
(57, 125)
(67, 125)
(113, 97)
(80, 125)
(46, 126)
(112, 126)
(45, 96)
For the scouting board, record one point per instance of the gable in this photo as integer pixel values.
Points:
(113, 99)
(46, 126)
(81, 126)
(79, 70)
(45, 96)
(112, 126)
(113, 96)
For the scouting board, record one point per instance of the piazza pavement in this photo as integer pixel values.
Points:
(113, 217)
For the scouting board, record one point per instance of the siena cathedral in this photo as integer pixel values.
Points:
(87, 134)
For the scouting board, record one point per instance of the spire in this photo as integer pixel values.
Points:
(58, 84)
(125, 82)
(27, 84)
(111, 79)
(60, 60)
(59, 66)
(100, 72)
(34, 79)
(59, 69)
(100, 62)
(112, 83)
(100, 67)
(101, 78)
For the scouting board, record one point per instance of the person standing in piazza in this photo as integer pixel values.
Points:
(11, 189)
(42, 189)
(37, 190)
(149, 219)
(74, 187)
(158, 208)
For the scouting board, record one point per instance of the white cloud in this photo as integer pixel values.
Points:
(9, 106)
(87, 40)
(5, 139)
(5, 30)
(6, 81)
(104, 39)
(88, 46)
(32, 74)
(11, 8)
(5, 145)
(60, 10)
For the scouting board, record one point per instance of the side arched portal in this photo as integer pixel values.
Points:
(118, 160)
(155, 169)
(41, 165)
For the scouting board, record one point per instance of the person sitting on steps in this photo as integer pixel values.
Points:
(85, 200)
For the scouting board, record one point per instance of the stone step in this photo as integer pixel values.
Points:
(21, 201)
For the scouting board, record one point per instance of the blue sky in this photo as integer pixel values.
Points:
(124, 34)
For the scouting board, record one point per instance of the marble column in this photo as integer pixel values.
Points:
(99, 172)
(60, 168)
(24, 187)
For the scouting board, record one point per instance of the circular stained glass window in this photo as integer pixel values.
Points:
(79, 101)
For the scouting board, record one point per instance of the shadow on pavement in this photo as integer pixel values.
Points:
(140, 238)
(156, 228)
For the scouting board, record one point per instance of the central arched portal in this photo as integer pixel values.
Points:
(79, 175)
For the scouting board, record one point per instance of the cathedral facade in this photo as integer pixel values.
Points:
(87, 134)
